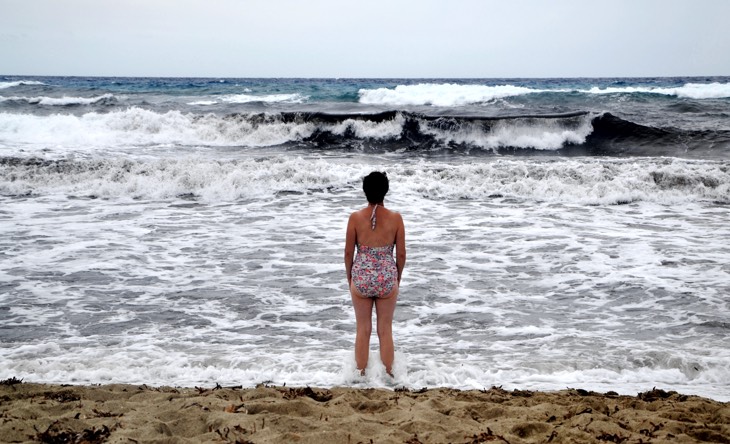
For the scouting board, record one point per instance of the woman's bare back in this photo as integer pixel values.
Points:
(387, 225)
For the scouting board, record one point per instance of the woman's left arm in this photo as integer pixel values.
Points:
(400, 247)
(350, 241)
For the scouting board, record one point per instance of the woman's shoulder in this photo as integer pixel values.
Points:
(357, 215)
(393, 213)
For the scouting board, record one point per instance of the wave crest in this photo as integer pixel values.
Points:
(61, 101)
(545, 133)
(4, 85)
(448, 94)
(247, 98)
(454, 95)
(688, 91)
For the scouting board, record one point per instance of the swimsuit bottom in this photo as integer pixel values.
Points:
(374, 272)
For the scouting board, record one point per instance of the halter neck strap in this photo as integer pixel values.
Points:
(373, 218)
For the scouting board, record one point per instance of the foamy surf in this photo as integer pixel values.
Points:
(600, 181)
(441, 94)
(690, 90)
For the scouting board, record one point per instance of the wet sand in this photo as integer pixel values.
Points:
(32, 412)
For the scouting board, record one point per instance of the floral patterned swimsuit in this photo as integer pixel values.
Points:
(374, 271)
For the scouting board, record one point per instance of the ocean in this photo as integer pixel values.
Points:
(179, 231)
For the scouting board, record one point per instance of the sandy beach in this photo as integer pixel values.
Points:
(31, 412)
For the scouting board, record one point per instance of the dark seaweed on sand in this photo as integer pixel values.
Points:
(655, 394)
(57, 435)
(62, 396)
(486, 437)
(407, 390)
(11, 381)
(293, 393)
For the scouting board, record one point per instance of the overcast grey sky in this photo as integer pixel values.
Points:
(374, 38)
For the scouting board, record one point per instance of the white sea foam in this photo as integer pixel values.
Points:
(59, 101)
(364, 129)
(459, 95)
(249, 98)
(164, 179)
(542, 134)
(244, 283)
(269, 98)
(203, 102)
(605, 181)
(140, 127)
(448, 94)
(156, 365)
(4, 85)
(690, 90)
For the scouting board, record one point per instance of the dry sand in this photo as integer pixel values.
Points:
(267, 414)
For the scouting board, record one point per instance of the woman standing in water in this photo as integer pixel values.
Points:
(374, 275)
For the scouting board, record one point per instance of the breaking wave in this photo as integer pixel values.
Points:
(4, 85)
(687, 91)
(580, 133)
(588, 181)
(248, 98)
(450, 95)
(61, 101)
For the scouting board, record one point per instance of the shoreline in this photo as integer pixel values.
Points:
(33, 412)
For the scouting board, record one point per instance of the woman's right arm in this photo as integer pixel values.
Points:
(350, 240)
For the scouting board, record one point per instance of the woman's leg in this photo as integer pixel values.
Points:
(364, 319)
(385, 307)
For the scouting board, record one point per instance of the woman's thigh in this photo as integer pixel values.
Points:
(363, 306)
(385, 307)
